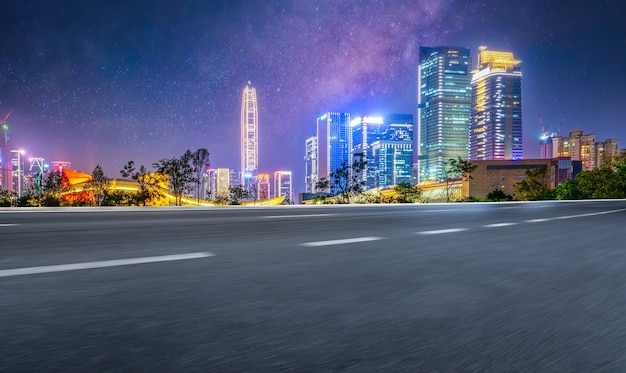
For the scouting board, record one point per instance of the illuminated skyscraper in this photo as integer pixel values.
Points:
(385, 143)
(6, 169)
(249, 134)
(496, 130)
(310, 157)
(283, 185)
(333, 143)
(444, 108)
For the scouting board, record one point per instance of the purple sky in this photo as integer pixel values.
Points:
(112, 81)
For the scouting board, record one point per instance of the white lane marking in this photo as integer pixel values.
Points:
(442, 231)
(295, 216)
(8, 225)
(498, 225)
(589, 214)
(574, 216)
(341, 242)
(101, 264)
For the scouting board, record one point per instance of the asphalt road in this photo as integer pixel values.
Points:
(515, 287)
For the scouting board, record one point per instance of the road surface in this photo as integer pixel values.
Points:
(395, 288)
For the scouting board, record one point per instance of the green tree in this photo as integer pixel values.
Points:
(199, 162)
(179, 174)
(567, 190)
(347, 179)
(100, 185)
(407, 192)
(53, 185)
(5, 198)
(498, 195)
(535, 186)
(322, 185)
(237, 194)
(455, 169)
(601, 182)
(148, 190)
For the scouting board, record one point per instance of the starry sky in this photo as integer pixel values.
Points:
(105, 82)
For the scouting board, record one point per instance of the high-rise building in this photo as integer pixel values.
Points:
(605, 151)
(496, 129)
(444, 108)
(249, 134)
(386, 139)
(310, 158)
(364, 131)
(584, 148)
(393, 153)
(218, 183)
(283, 185)
(6, 169)
(333, 143)
(262, 187)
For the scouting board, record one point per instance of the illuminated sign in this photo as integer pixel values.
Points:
(374, 120)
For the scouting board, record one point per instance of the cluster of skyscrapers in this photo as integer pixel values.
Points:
(463, 111)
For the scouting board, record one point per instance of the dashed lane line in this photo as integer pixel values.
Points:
(295, 216)
(340, 242)
(8, 225)
(443, 231)
(101, 264)
(498, 225)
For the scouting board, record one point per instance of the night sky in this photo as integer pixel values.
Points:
(111, 81)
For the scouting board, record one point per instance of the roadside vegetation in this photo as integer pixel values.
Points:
(183, 178)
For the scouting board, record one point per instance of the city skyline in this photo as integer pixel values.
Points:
(120, 81)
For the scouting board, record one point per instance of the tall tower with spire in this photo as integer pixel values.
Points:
(249, 134)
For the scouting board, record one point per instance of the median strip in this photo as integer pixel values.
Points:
(100, 264)
(341, 242)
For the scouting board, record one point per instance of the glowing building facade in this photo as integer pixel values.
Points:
(218, 184)
(249, 134)
(496, 122)
(333, 143)
(310, 158)
(6, 169)
(283, 185)
(262, 187)
(444, 108)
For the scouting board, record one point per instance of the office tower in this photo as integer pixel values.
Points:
(496, 127)
(364, 131)
(249, 134)
(310, 158)
(283, 185)
(393, 153)
(333, 144)
(444, 108)
(218, 184)
(17, 165)
(6, 169)
(262, 187)
(391, 137)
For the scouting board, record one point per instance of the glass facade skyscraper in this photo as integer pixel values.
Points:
(386, 139)
(444, 108)
(496, 130)
(333, 143)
